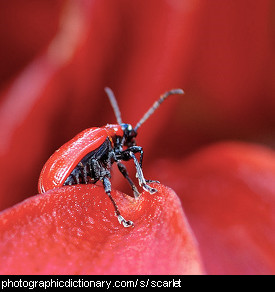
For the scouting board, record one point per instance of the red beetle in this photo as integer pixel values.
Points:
(88, 157)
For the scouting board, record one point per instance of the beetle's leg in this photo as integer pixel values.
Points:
(83, 172)
(139, 175)
(107, 188)
(137, 149)
(152, 181)
(130, 153)
(124, 171)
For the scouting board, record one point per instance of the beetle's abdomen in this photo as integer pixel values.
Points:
(93, 167)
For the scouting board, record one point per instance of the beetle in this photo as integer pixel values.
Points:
(88, 157)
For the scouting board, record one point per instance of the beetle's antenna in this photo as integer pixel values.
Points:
(114, 104)
(156, 105)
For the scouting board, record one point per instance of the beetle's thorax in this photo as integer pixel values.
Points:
(114, 130)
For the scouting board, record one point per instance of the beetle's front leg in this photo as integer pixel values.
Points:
(125, 155)
(139, 174)
(136, 149)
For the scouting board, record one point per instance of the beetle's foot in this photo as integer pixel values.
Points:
(152, 181)
(135, 191)
(149, 189)
(143, 183)
(125, 223)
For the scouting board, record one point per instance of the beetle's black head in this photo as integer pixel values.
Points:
(129, 135)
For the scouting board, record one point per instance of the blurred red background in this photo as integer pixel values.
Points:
(57, 57)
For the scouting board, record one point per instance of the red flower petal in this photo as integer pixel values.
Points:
(228, 194)
(25, 31)
(73, 230)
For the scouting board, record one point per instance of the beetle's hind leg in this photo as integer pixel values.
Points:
(107, 188)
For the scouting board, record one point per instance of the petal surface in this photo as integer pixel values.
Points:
(73, 230)
(228, 194)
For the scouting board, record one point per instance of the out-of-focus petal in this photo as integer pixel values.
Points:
(33, 107)
(26, 28)
(228, 194)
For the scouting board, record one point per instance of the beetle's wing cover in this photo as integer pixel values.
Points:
(64, 160)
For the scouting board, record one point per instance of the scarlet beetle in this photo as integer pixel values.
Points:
(88, 157)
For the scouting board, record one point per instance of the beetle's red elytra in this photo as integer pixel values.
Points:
(88, 157)
(54, 172)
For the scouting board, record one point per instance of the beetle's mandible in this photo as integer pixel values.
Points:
(89, 156)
